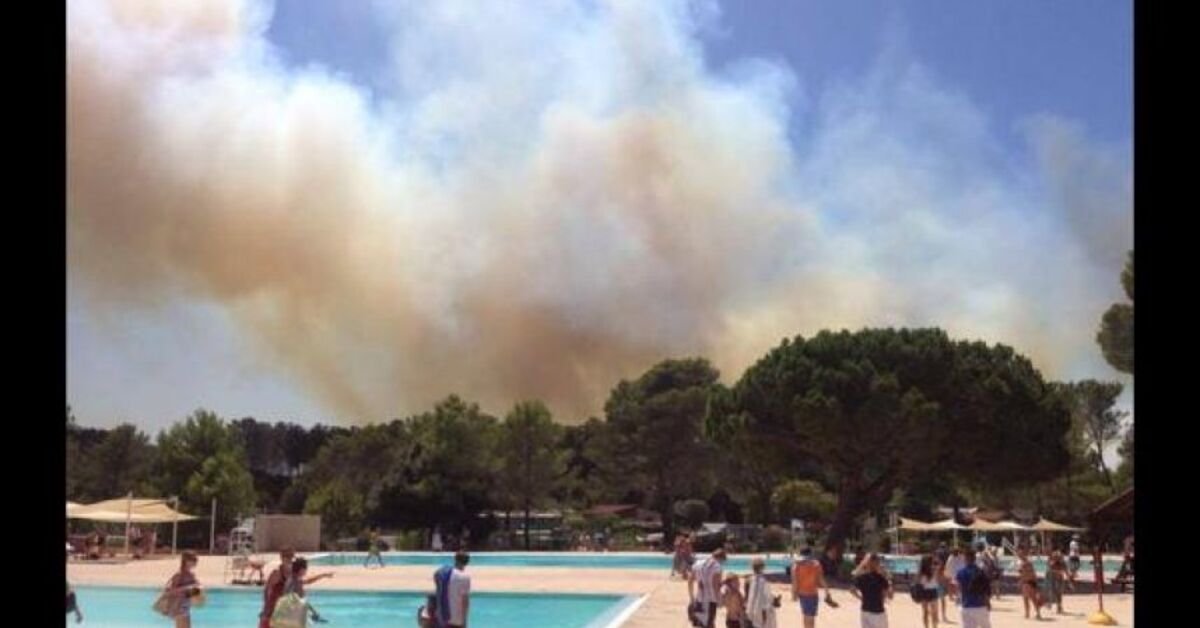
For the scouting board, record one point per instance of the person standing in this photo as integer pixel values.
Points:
(704, 586)
(974, 593)
(1029, 584)
(73, 604)
(298, 580)
(986, 557)
(180, 589)
(760, 604)
(870, 586)
(677, 560)
(1056, 580)
(734, 602)
(1073, 553)
(953, 564)
(926, 593)
(942, 553)
(273, 589)
(135, 541)
(807, 576)
(689, 553)
(286, 578)
(373, 548)
(454, 592)
(1125, 573)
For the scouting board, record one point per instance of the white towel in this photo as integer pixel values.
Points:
(759, 601)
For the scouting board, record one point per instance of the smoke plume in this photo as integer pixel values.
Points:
(544, 205)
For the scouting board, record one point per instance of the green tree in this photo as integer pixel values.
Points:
(803, 499)
(367, 460)
(1125, 471)
(654, 439)
(452, 468)
(77, 464)
(582, 482)
(692, 512)
(120, 463)
(224, 477)
(876, 407)
(1115, 336)
(340, 507)
(261, 442)
(530, 461)
(200, 459)
(1092, 409)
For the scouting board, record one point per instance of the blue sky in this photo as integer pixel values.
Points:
(1015, 59)
(1042, 88)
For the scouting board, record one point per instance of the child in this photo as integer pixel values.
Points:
(732, 600)
(427, 614)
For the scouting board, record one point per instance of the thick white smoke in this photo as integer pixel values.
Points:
(550, 201)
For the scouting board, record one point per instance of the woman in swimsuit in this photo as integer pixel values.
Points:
(180, 590)
(1029, 585)
(928, 581)
(1056, 580)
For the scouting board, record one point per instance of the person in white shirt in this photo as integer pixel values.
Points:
(1073, 560)
(704, 586)
(760, 603)
(953, 564)
(454, 592)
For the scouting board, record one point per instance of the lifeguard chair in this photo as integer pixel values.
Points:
(240, 566)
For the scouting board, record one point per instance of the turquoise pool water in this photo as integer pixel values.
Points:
(127, 607)
(895, 564)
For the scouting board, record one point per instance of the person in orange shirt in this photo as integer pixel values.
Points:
(807, 577)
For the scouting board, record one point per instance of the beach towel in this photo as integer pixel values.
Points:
(760, 604)
(441, 581)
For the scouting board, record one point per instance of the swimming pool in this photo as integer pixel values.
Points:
(128, 607)
(776, 562)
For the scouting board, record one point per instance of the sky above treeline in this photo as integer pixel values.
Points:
(343, 211)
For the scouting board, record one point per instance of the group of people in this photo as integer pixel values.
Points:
(751, 604)
(747, 605)
(748, 602)
(284, 603)
(141, 543)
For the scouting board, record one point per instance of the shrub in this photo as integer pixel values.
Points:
(774, 539)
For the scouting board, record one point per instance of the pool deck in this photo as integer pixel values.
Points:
(662, 608)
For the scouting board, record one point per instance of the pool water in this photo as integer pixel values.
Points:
(128, 607)
(776, 562)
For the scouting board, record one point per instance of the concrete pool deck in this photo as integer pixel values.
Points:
(662, 608)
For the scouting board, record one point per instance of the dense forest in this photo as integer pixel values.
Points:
(832, 428)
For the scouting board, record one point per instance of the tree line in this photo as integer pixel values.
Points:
(828, 428)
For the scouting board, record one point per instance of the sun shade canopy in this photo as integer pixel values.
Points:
(1046, 525)
(122, 510)
(983, 525)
